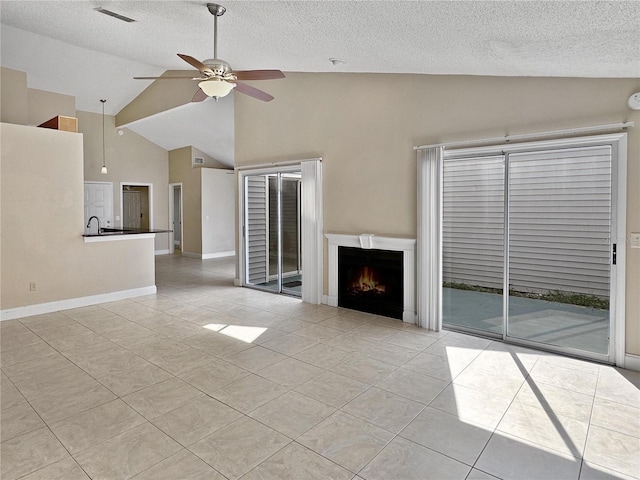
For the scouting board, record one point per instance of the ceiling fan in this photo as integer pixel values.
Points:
(216, 77)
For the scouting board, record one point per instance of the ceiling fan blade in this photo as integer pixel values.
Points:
(167, 78)
(199, 96)
(259, 74)
(253, 92)
(196, 63)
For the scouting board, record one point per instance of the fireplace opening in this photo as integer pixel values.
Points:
(371, 281)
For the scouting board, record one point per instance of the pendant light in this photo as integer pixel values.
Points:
(103, 170)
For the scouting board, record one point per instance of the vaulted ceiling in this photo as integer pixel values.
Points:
(68, 47)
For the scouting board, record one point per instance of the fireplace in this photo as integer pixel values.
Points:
(370, 281)
(400, 248)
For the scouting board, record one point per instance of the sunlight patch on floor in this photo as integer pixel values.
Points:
(246, 334)
(239, 332)
(216, 327)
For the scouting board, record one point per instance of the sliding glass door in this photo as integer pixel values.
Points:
(559, 255)
(273, 232)
(537, 225)
(290, 229)
(473, 243)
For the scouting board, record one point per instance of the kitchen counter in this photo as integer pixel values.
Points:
(123, 231)
(110, 234)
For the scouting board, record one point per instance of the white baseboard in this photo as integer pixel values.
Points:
(40, 308)
(162, 252)
(237, 282)
(207, 256)
(330, 300)
(409, 317)
(632, 362)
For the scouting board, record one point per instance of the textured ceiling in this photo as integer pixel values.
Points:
(68, 47)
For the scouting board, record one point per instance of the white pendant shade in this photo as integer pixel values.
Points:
(216, 87)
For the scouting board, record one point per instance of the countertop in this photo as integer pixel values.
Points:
(110, 232)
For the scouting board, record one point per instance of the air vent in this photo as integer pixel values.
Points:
(114, 15)
(198, 160)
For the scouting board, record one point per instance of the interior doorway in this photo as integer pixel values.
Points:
(175, 217)
(136, 205)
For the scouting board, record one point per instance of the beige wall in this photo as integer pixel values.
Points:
(14, 103)
(218, 210)
(27, 106)
(158, 97)
(42, 225)
(44, 106)
(130, 158)
(208, 196)
(180, 171)
(365, 127)
(208, 161)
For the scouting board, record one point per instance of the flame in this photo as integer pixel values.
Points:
(367, 281)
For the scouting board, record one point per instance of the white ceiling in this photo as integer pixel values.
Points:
(208, 126)
(68, 47)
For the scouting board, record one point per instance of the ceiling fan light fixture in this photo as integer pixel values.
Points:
(215, 87)
(216, 78)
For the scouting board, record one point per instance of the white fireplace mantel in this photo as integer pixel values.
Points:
(369, 241)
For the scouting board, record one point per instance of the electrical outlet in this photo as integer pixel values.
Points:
(635, 240)
(33, 287)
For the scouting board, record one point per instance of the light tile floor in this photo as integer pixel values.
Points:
(209, 381)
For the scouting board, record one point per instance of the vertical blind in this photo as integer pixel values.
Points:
(429, 241)
(257, 226)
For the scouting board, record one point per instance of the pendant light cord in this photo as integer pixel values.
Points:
(103, 149)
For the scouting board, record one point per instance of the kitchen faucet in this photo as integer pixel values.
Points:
(97, 220)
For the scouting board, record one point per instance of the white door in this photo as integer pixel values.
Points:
(98, 201)
(177, 220)
(131, 209)
(175, 217)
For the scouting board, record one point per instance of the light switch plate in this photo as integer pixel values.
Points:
(635, 240)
